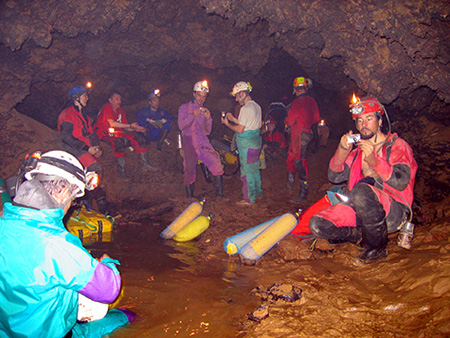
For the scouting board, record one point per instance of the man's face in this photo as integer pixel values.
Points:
(200, 97)
(367, 125)
(240, 98)
(115, 101)
(300, 90)
(84, 98)
(154, 103)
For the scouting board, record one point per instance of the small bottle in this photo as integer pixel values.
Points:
(406, 235)
(179, 141)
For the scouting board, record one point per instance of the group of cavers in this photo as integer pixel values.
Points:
(47, 275)
(377, 171)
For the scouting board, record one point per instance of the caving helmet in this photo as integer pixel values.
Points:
(302, 83)
(76, 91)
(201, 86)
(241, 86)
(366, 105)
(271, 121)
(153, 94)
(62, 165)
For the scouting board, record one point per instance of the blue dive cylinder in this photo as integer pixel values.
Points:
(275, 232)
(233, 244)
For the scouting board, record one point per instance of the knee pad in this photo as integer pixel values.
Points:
(320, 227)
(366, 204)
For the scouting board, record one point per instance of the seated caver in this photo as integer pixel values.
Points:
(78, 138)
(45, 268)
(156, 120)
(380, 173)
(112, 126)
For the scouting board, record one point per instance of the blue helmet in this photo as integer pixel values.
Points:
(76, 91)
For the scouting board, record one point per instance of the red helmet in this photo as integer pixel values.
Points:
(366, 105)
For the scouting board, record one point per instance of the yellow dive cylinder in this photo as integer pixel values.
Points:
(186, 217)
(193, 229)
(263, 242)
(233, 244)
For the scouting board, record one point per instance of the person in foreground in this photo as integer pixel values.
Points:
(380, 173)
(248, 139)
(44, 269)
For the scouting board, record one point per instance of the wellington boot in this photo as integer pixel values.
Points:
(303, 194)
(121, 167)
(218, 186)
(146, 162)
(375, 240)
(206, 173)
(290, 181)
(161, 138)
(190, 190)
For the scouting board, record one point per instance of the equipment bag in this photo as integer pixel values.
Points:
(89, 225)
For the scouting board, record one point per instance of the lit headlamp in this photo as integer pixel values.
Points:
(92, 180)
(357, 110)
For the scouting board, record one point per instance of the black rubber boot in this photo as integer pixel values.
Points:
(205, 172)
(190, 190)
(375, 240)
(146, 162)
(218, 185)
(290, 181)
(121, 166)
(161, 138)
(303, 193)
(323, 228)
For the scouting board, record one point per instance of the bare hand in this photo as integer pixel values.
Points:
(95, 151)
(366, 147)
(344, 141)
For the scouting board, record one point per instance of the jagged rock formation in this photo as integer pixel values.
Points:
(397, 50)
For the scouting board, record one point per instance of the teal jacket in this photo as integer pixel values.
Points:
(42, 266)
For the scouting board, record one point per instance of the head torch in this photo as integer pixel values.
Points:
(92, 180)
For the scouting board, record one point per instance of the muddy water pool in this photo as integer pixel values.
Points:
(174, 295)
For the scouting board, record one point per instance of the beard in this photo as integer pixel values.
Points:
(367, 136)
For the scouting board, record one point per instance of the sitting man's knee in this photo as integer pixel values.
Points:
(319, 226)
(119, 144)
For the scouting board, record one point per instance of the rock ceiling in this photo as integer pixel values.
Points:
(397, 50)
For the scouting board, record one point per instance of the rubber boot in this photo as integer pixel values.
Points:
(121, 166)
(218, 185)
(290, 181)
(205, 172)
(346, 235)
(303, 193)
(146, 162)
(375, 240)
(190, 190)
(161, 138)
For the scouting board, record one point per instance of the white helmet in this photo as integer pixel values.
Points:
(201, 86)
(241, 86)
(62, 165)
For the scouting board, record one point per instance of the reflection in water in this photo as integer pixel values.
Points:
(174, 294)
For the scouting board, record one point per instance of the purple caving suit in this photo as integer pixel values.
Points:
(196, 145)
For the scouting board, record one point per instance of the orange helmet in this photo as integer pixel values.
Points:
(366, 105)
(302, 82)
